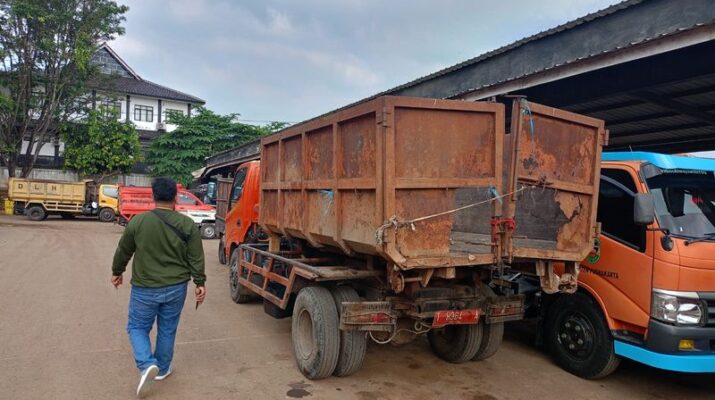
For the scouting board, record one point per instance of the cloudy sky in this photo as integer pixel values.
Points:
(292, 60)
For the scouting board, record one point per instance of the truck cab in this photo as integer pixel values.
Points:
(108, 197)
(647, 290)
(237, 212)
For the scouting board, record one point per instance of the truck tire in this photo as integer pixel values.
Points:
(353, 344)
(106, 214)
(578, 337)
(36, 213)
(208, 231)
(239, 293)
(455, 343)
(315, 332)
(492, 335)
(221, 251)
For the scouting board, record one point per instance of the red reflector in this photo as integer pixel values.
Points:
(379, 318)
(455, 317)
(369, 318)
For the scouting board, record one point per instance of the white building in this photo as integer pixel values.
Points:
(137, 100)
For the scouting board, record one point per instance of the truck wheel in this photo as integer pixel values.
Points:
(353, 344)
(106, 214)
(239, 293)
(221, 252)
(455, 343)
(578, 337)
(492, 335)
(315, 332)
(36, 213)
(208, 231)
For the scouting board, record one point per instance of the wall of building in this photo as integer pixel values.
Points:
(48, 149)
(60, 175)
(154, 103)
(172, 105)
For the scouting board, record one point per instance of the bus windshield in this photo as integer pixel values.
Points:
(684, 201)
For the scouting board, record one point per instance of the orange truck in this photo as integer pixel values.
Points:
(397, 217)
(647, 290)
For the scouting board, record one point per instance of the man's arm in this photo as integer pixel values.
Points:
(125, 250)
(195, 256)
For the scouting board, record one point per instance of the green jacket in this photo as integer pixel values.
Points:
(161, 257)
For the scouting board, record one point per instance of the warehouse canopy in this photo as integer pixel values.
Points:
(644, 66)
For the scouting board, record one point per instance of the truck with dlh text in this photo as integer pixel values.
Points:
(38, 199)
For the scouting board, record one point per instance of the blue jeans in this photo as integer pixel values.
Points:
(164, 305)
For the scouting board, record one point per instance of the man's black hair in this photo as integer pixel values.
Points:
(163, 189)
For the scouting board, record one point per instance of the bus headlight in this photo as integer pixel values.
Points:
(680, 310)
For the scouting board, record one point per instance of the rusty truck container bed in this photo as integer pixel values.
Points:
(428, 183)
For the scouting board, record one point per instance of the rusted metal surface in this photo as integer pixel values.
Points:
(336, 180)
(223, 194)
(427, 184)
(273, 276)
(557, 153)
(368, 316)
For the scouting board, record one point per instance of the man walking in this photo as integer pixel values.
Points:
(167, 253)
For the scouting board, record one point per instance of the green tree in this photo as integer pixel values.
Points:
(45, 52)
(101, 146)
(176, 154)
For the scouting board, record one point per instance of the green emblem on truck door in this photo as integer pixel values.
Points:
(595, 254)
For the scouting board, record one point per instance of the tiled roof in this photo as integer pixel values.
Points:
(129, 82)
(147, 88)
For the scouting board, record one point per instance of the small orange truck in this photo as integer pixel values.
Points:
(647, 290)
(398, 216)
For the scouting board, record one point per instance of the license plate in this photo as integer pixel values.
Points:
(455, 317)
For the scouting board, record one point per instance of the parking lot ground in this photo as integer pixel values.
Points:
(62, 336)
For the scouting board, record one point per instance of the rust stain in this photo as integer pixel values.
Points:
(571, 234)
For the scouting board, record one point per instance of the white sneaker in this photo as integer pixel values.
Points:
(166, 375)
(146, 379)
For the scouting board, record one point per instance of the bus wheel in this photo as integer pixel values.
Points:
(455, 343)
(578, 337)
(106, 214)
(315, 332)
(353, 343)
(36, 213)
(239, 293)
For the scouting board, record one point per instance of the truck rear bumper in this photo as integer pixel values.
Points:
(671, 362)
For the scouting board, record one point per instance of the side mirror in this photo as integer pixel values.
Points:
(643, 209)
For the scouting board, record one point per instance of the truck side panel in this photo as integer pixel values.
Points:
(337, 180)
(26, 190)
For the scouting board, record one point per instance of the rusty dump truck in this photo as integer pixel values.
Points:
(400, 216)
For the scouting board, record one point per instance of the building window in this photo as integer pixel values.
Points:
(111, 107)
(144, 113)
(169, 111)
